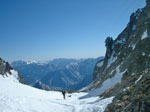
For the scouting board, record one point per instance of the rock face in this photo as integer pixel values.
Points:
(6, 70)
(2, 70)
(4, 67)
(128, 55)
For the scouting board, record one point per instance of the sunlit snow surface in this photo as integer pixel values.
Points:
(106, 84)
(16, 97)
(145, 35)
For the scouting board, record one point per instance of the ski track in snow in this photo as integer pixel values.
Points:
(16, 97)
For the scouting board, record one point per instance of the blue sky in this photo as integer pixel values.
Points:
(47, 29)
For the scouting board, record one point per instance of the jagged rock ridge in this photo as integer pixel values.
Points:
(128, 55)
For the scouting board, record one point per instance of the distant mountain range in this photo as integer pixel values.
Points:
(59, 73)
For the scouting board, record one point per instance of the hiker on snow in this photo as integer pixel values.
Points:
(64, 94)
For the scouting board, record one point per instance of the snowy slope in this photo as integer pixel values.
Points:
(106, 84)
(16, 97)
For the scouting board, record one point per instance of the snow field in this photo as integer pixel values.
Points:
(16, 97)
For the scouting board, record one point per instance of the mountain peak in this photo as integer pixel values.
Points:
(126, 68)
(31, 62)
(148, 3)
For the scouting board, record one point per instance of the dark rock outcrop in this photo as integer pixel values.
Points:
(109, 45)
(2, 70)
(6, 68)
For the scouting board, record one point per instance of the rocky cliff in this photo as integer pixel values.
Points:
(6, 71)
(127, 58)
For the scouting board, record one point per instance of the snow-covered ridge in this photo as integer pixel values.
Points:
(13, 76)
(7, 72)
(31, 62)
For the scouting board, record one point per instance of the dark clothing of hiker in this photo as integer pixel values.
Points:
(64, 94)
